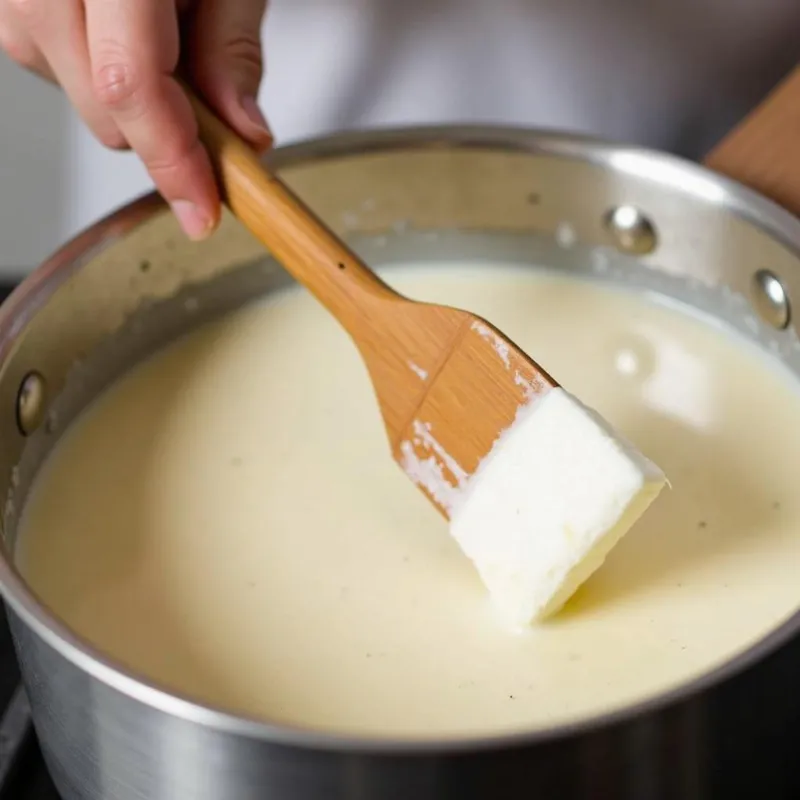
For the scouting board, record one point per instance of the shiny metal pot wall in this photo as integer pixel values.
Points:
(132, 283)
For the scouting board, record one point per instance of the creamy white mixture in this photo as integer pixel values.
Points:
(227, 521)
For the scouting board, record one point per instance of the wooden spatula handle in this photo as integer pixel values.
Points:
(763, 151)
(294, 235)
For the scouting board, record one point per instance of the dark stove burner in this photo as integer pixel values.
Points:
(31, 780)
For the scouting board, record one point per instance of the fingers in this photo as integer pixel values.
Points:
(58, 31)
(19, 45)
(227, 63)
(115, 59)
(133, 50)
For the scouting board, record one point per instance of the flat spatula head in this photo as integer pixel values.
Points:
(463, 383)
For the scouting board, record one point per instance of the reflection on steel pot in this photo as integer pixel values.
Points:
(133, 283)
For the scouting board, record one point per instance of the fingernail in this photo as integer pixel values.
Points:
(254, 114)
(195, 223)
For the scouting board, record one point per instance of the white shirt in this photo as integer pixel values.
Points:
(669, 74)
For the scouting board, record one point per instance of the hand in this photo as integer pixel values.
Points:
(116, 60)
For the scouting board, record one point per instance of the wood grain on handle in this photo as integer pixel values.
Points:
(763, 151)
(390, 331)
(291, 231)
(447, 383)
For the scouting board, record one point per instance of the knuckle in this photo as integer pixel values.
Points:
(173, 157)
(245, 51)
(116, 82)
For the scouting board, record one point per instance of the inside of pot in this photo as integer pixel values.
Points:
(707, 579)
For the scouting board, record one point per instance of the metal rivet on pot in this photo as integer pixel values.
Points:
(31, 405)
(631, 230)
(770, 299)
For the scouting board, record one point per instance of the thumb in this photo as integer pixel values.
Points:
(226, 62)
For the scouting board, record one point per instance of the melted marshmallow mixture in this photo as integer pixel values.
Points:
(227, 522)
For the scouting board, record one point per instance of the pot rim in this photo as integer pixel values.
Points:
(673, 171)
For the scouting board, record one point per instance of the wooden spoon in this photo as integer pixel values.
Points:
(448, 383)
(763, 151)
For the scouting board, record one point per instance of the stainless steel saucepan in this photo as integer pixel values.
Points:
(132, 283)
